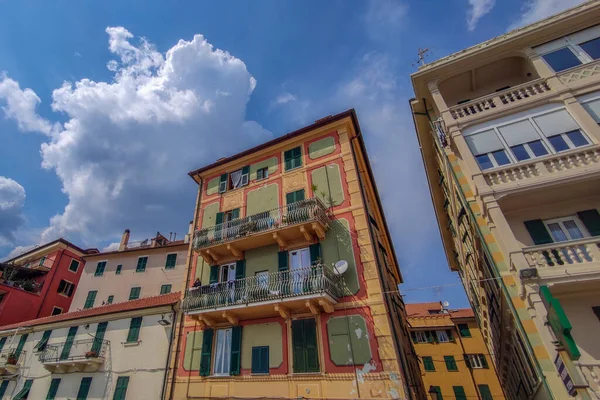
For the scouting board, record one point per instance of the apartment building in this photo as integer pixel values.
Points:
(118, 351)
(455, 362)
(137, 269)
(40, 282)
(292, 284)
(510, 140)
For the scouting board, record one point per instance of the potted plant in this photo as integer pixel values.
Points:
(91, 354)
(12, 359)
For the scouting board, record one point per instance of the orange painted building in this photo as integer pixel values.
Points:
(291, 287)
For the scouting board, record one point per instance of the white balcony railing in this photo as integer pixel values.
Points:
(591, 373)
(78, 354)
(572, 252)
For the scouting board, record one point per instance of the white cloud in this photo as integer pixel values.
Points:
(284, 98)
(12, 199)
(385, 18)
(114, 246)
(535, 10)
(477, 9)
(125, 150)
(18, 250)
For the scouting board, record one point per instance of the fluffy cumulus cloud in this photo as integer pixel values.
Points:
(124, 152)
(477, 9)
(12, 199)
(535, 10)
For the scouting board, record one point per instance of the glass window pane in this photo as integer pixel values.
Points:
(561, 59)
(577, 138)
(557, 233)
(520, 152)
(538, 148)
(592, 48)
(484, 161)
(573, 230)
(558, 143)
(501, 157)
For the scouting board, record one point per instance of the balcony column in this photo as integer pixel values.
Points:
(582, 117)
(440, 104)
(469, 164)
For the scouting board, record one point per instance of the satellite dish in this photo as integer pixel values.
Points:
(446, 304)
(340, 267)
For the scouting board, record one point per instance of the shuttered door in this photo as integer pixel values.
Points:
(304, 339)
(205, 358)
(284, 274)
(591, 220)
(68, 343)
(121, 388)
(538, 232)
(260, 360)
(236, 350)
(99, 338)
(20, 346)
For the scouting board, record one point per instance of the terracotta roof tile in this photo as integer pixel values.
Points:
(422, 310)
(146, 302)
(462, 313)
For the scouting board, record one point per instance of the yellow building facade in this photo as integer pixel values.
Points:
(510, 137)
(455, 362)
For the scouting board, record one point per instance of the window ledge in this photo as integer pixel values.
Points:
(220, 376)
(292, 169)
(131, 344)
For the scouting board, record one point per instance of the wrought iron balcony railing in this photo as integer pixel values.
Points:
(292, 214)
(10, 358)
(77, 350)
(271, 286)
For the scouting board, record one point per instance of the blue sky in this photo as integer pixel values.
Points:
(108, 104)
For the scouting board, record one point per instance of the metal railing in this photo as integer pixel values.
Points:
(9, 357)
(78, 350)
(301, 211)
(264, 287)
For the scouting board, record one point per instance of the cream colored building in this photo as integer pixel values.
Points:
(118, 351)
(511, 144)
(137, 269)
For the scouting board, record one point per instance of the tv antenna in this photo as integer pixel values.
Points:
(422, 53)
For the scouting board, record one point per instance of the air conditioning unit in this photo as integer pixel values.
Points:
(528, 273)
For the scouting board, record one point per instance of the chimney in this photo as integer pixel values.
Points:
(187, 237)
(124, 240)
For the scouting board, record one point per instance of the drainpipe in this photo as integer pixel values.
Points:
(172, 336)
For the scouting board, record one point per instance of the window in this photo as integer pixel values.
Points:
(74, 266)
(234, 180)
(66, 288)
(450, 363)
(23, 393)
(428, 364)
(438, 391)
(293, 158)
(2, 296)
(484, 390)
(3, 388)
(2, 342)
(100, 268)
(595, 309)
(66, 350)
(294, 197)
(91, 297)
(118, 270)
(570, 51)
(41, 345)
(141, 264)
(56, 310)
(134, 293)
(592, 48)
(567, 228)
(53, 389)
(171, 261)
(84, 388)
(262, 279)
(561, 59)
(121, 388)
(262, 173)
(477, 361)
(222, 352)
(42, 261)
(260, 360)
(110, 299)
(592, 105)
(164, 289)
(304, 346)
(134, 329)
(459, 393)
(442, 336)
(463, 329)
(420, 336)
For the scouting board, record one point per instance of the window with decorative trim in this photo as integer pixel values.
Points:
(573, 50)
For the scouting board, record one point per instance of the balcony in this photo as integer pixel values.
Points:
(283, 225)
(79, 355)
(575, 76)
(10, 362)
(268, 294)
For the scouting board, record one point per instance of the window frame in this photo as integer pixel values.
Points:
(421, 337)
(428, 364)
(475, 361)
(226, 355)
(135, 328)
(443, 334)
(560, 221)
(139, 292)
(100, 271)
(451, 365)
(68, 285)
(56, 308)
(165, 286)
(262, 173)
(110, 299)
(91, 299)
(167, 266)
(292, 158)
(71, 264)
(466, 326)
(262, 371)
(137, 266)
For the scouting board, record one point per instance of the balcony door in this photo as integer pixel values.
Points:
(227, 277)
(567, 228)
(299, 268)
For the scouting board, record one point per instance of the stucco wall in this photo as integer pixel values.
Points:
(269, 334)
(261, 259)
(338, 246)
(264, 198)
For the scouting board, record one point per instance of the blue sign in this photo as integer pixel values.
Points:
(564, 375)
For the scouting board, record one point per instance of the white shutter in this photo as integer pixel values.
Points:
(519, 133)
(556, 123)
(484, 142)
(593, 108)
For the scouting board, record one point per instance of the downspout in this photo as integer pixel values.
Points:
(372, 237)
(169, 352)
(47, 287)
(187, 285)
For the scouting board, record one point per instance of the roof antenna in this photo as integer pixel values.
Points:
(422, 53)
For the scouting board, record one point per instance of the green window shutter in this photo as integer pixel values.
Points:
(193, 351)
(219, 218)
(591, 221)
(459, 393)
(299, 359)
(464, 331)
(223, 183)
(287, 156)
(428, 364)
(41, 345)
(315, 253)
(538, 232)
(134, 293)
(260, 360)
(52, 390)
(413, 336)
(240, 269)
(438, 391)
(68, 343)
(24, 393)
(484, 390)
(467, 360)
(134, 329)
(207, 339)
(214, 274)
(282, 257)
(450, 363)
(22, 341)
(300, 195)
(121, 388)
(235, 213)
(245, 175)
(84, 388)
(312, 352)
(236, 350)
(100, 268)
(171, 261)
(2, 342)
(119, 268)
(91, 297)
(141, 264)
(290, 198)
(449, 334)
(164, 289)
(296, 157)
(304, 339)
(42, 261)
(483, 361)
(99, 337)
(429, 336)
(110, 299)
(3, 388)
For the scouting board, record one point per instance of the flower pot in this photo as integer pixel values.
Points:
(11, 360)
(91, 354)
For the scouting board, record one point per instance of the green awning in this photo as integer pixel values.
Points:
(25, 391)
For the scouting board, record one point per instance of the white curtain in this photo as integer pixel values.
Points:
(236, 179)
(484, 142)
(223, 352)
